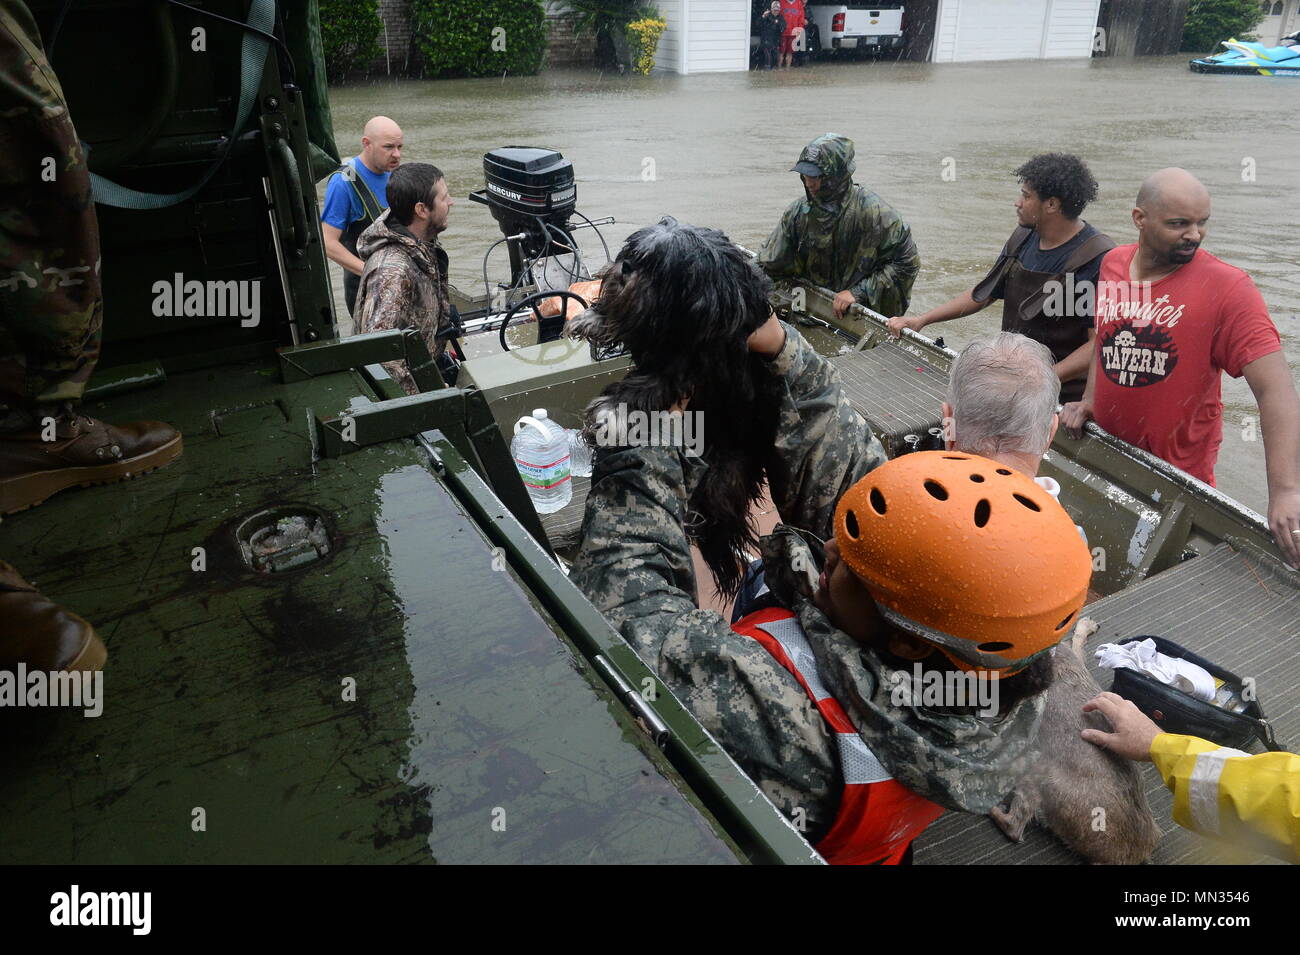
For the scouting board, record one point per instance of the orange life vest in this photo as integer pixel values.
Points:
(878, 817)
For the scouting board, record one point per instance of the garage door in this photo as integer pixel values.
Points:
(1013, 29)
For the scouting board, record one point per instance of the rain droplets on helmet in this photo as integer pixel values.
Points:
(965, 553)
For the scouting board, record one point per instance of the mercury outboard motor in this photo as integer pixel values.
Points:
(531, 193)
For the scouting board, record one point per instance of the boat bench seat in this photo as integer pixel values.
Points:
(898, 393)
(563, 526)
(1236, 611)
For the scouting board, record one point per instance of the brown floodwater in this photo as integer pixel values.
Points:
(715, 149)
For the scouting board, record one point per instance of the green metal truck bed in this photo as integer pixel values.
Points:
(476, 734)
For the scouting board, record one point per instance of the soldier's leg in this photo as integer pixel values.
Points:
(51, 309)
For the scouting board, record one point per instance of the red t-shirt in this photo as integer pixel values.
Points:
(792, 11)
(1163, 348)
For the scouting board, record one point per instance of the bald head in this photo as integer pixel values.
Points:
(1173, 210)
(1170, 186)
(381, 144)
(380, 126)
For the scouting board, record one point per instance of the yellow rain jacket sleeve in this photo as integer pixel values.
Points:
(1243, 798)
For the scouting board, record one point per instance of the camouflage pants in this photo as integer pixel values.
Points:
(51, 308)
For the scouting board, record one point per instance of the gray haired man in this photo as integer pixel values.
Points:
(1003, 393)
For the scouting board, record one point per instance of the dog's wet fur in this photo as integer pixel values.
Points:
(1091, 799)
(684, 301)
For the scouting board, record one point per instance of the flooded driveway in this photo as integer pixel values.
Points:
(715, 149)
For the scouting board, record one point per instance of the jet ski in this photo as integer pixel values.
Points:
(1251, 58)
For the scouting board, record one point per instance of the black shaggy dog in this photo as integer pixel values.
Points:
(684, 301)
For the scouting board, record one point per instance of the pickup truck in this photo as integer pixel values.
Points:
(855, 26)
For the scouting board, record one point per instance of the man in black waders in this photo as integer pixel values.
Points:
(1046, 274)
(356, 196)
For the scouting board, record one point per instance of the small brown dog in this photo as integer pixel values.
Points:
(1091, 799)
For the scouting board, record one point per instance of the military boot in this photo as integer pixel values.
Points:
(75, 450)
(41, 634)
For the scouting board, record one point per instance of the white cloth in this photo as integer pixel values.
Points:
(1171, 671)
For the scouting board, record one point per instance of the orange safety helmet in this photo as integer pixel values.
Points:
(966, 554)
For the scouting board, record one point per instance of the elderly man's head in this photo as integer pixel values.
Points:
(1002, 399)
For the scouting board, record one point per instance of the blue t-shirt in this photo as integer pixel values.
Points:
(342, 205)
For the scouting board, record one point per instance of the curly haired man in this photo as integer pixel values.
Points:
(1047, 272)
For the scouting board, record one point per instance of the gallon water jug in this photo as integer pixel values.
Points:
(579, 454)
(541, 452)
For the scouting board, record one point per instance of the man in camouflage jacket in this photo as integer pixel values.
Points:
(404, 281)
(634, 564)
(842, 236)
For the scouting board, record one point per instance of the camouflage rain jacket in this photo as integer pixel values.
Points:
(845, 237)
(634, 564)
(403, 285)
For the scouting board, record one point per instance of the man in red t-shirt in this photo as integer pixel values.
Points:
(793, 13)
(1171, 318)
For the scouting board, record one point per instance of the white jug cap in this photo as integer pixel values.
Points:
(539, 413)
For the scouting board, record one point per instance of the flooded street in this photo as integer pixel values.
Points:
(715, 149)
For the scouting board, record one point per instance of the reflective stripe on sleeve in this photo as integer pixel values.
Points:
(1203, 787)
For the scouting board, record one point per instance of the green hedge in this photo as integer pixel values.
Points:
(349, 32)
(479, 37)
(1209, 22)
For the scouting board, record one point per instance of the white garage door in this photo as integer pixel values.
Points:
(1013, 29)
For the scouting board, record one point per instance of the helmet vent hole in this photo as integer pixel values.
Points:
(851, 524)
(937, 490)
(1028, 502)
(877, 501)
(954, 457)
(1003, 471)
(995, 646)
(982, 512)
(1066, 622)
(977, 478)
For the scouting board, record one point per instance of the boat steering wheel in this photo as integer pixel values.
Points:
(531, 301)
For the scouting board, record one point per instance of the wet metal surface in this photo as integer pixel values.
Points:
(895, 392)
(398, 700)
(719, 145)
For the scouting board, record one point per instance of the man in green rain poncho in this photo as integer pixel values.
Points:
(842, 236)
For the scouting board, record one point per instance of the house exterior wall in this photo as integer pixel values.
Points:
(1280, 20)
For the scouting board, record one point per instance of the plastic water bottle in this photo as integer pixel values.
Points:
(541, 452)
(579, 454)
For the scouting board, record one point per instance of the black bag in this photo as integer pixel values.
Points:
(1175, 711)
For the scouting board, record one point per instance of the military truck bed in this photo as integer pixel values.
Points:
(476, 735)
